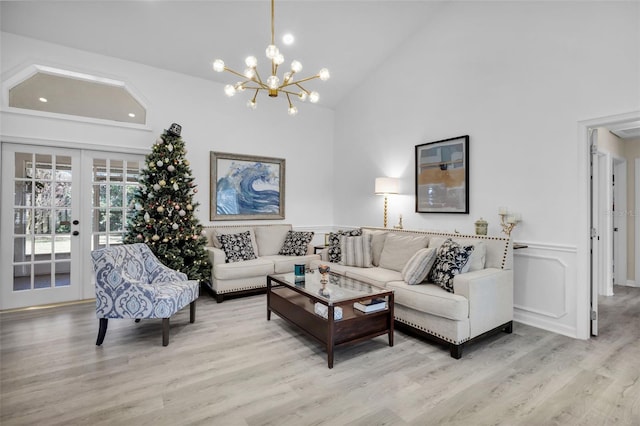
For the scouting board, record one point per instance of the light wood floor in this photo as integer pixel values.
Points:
(232, 367)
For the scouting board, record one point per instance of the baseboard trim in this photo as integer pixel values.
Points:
(632, 283)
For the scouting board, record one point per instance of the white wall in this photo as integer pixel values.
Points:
(632, 154)
(517, 77)
(210, 122)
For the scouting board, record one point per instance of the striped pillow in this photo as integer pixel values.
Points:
(356, 251)
(418, 267)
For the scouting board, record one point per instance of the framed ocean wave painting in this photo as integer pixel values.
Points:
(245, 187)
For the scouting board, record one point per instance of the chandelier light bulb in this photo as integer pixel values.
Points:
(252, 104)
(296, 66)
(287, 76)
(218, 65)
(273, 82)
(314, 97)
(279, 59)
(240, 87)
(324, 74)
(293, 110)
(251, 61)
(250, 73)
(303, 96)
(229, 90)
(271, 51)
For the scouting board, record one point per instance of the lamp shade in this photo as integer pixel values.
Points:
(386, 185)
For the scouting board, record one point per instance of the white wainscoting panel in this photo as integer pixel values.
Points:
(545, 287)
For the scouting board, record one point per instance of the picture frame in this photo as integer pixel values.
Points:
(442, 176)
(246, 187)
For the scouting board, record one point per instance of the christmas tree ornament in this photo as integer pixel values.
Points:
(175, 187)
(189, 207)
(159, 140)
(171, 168)
(162, 183)
(159, 163)
(174, 226)
(160, 209)
(170, 148)
(182, 213)
(156, 187)
(155, 237)
(147, 218)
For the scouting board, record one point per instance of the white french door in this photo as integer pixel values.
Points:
(57, 205)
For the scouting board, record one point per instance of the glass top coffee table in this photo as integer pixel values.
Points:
(312, 304)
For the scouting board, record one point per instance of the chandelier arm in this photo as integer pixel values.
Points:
(259, 80)
(288, 93)
(302, 88)
(236, 73)
(299, 81)
(288, 98)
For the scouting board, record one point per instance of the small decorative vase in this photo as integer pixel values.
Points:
(481, 226)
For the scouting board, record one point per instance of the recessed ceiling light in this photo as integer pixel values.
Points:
(131, 115)
(288, 39)
(43, 99)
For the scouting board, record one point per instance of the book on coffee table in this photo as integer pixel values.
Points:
(371, 305)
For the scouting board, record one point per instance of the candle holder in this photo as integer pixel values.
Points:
(508, 221)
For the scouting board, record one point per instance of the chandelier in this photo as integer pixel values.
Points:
(290, 85)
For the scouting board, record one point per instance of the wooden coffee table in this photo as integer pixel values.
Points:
(294, 300)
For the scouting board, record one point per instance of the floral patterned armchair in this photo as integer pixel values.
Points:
(132, 283)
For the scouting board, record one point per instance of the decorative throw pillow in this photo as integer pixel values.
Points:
(296, 243)
(356, 251)
(418, 267)
(334, 252)
(237, 247)
(450, 260)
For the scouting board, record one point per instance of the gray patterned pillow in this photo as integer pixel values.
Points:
(296, 243)
(334, 251)
(450, 260)
(237, 247)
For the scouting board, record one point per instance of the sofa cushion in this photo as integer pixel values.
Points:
(247, 269)
(237, 247)
(284, 264)
(296, 243)
(478, 256)
(375, 276)
(398, 249)
(270, 238)
(377, 244)
(418, 267)
(450, 260)
(356, 251)
(431, 299)
(334, 252)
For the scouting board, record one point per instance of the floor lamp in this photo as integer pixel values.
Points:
(385, 186)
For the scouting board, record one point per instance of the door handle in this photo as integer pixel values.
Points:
(75, 233)
(76, 222)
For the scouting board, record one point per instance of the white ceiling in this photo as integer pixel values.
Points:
(348, 37)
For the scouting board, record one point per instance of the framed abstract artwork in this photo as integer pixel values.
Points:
(442, 176)
(245, 187)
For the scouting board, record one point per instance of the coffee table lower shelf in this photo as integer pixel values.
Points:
(354, 326)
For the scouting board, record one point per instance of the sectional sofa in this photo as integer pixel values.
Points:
(231, 275)
(479, 302)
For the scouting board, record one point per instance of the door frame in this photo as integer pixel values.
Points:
(583, 255)
(619, 219)
(86, 289)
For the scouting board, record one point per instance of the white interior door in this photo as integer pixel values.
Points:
(57, 205)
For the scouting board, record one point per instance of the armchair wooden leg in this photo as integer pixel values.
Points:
(102, 331)
(165, 331)
(192, 312)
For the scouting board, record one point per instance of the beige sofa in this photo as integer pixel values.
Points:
(249, 276)
(482, 298)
